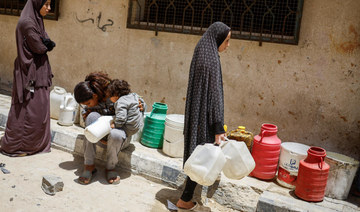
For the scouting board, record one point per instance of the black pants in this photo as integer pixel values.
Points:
(188, 192)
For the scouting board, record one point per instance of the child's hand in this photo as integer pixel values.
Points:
(84, 115)
(141, 106)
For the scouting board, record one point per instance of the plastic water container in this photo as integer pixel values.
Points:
(239, 162)
(56, 98)
(240, 134)
(154, 126)
(205, 164)
(68, 110)
(97, 130)
(173, 144)
(291, 154)
(312, 176)
(341, 175)
(266, 152)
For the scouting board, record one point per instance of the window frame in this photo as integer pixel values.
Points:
(136, 14)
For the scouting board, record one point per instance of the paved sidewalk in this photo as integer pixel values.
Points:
(248, 194)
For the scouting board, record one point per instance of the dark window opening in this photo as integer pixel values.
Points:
(261, 20)
(14, 7)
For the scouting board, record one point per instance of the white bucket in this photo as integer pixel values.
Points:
(97, 130)
(239, 162)
(173, 144)
(341, 175)
(205, 164)
(290, 155)
(56, 98)
(68, 110)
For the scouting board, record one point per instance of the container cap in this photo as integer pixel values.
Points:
(241, 127)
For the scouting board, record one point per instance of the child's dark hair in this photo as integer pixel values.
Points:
(95, 83)
(119, 88)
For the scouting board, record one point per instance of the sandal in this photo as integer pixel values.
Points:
(112, 176)
(197, 207)
(86, 176)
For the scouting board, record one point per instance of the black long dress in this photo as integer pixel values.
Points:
(204, 111)
(28, 126)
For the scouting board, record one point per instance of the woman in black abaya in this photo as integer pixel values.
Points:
(204, 111)
(28, 126)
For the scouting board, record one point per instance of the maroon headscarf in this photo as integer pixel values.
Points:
(31, 51)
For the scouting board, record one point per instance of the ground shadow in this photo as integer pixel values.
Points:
(173, 194)
(77, 164)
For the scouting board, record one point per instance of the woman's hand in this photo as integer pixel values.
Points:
(219, 138)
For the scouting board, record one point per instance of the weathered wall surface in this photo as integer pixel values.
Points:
(311, 91)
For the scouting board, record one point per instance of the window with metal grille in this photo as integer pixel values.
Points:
(275, 21)
(14, 7)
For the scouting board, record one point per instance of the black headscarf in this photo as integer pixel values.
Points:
(204, 111)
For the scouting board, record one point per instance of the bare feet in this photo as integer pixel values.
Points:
(185, 205)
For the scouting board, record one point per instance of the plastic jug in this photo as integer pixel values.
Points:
(266, 151)
(240, 134)
(205, 164)
(239, 162)
(68, 110)
(154, 126)
(99, 129)
(56, 98)
(312, 176)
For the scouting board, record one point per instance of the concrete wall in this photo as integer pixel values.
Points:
(311, 90)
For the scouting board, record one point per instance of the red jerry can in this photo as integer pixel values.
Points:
(266, 152)
(312, 176)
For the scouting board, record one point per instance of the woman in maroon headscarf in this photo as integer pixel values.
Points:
(28, 126)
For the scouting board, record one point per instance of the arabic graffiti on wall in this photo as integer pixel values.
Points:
(97, 21)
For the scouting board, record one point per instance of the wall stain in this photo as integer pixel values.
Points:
(163, 100)
(279, 62)
(257, 113)
(181, 63)
(350, 73)
(261, 97)
(145, 91)
(184, 98)
(273, 103)
(296, 78)
(347, 47)
(343, 118)
(291, 113)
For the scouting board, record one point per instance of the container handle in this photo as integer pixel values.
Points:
(222, 143)
(59, 90)
(262, 135)
(321, 163)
